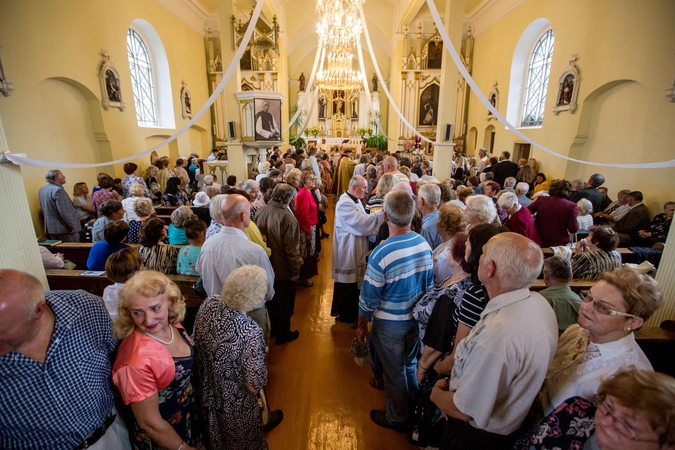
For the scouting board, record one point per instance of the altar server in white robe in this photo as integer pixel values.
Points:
(353, 228)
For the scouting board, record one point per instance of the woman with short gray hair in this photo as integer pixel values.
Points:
(230, 362)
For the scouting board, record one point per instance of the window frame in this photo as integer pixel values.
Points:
(154, 95)
(544, 86)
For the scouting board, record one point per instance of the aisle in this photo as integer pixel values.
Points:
(325, 396)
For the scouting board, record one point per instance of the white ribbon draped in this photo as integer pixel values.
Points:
(25, 161)
(447, 43)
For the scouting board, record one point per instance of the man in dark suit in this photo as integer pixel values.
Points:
(591, 192)
(61, 220)
(504, 169)
(635, 220)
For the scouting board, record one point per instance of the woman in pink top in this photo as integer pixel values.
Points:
(153, 368)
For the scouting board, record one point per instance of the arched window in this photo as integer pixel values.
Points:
(142, 81)
(537, 81)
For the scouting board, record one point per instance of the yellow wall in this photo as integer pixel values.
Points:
(630, 122)
(51, 52)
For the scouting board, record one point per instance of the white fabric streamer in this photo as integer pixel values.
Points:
(384, 86)
(364, 79)
(447, 43)
(25, 161)
(319, 57)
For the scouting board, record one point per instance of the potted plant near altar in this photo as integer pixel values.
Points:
(314, 131)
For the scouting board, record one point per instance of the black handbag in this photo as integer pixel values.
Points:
(425, 426)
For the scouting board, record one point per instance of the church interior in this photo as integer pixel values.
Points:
(67, 85)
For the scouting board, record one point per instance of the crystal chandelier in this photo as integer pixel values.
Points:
(339, 30)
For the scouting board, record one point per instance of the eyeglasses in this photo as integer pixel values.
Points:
(626, 429)
(586, 297)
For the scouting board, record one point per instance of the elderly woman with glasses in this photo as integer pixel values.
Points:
(633, 410)
(602, 343)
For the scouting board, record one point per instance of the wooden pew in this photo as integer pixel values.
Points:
(60, 279)
(165, 210)
(576, 285)
(77, 252)
(548, 251)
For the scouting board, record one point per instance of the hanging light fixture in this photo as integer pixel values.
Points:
(339, 29)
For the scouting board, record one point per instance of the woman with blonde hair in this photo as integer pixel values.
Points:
(136, 192)
(153, 367)
(82, 202)
(451, 220)
(602, 343)
(384, 185)
(230, 362)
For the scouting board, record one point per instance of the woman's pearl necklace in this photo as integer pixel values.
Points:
(158, 339)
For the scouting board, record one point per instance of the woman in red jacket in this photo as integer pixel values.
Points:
(308, 217)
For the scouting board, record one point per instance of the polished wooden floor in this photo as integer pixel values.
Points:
(324, 394)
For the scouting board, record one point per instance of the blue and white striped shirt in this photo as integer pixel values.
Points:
(400, 270)
(58, 404)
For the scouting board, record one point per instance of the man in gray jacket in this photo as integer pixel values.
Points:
(60, 216)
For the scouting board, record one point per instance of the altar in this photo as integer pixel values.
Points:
(327, 146)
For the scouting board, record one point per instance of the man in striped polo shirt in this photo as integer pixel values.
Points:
(400, 270)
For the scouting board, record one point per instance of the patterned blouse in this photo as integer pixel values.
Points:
(588, 265)
(161, 257)
(425, 306)
(100, 197)
(659, 227)
(230, 354)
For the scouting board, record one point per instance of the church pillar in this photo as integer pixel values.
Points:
(21, 251)
(665, 276)
(394, 130)
(443, 152)
(235, 150)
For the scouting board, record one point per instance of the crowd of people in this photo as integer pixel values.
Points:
(434, 274)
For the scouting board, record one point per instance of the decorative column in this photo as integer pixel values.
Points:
(665, 276)
(444, 152)
(235, 150)
(21, 251)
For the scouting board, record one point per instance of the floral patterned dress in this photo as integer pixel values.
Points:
(569, 426)
(230, 354)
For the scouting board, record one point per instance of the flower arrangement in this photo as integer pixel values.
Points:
(314, 130)
(409, 145)
(364, 132)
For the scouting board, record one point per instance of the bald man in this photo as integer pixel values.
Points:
(500, 366)
(390, 165)
(230, 249)
(55, 350)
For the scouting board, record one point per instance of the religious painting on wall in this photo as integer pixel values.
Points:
(428, 115)
(186, 101)
(435, 56)
(267, 119)
(109, 78)
(568, 88)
